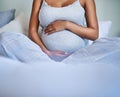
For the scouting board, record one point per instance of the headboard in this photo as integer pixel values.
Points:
(106, 10)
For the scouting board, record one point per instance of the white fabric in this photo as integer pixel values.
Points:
(73, 12)
(25, 71)
(104, 29)
(11, 43)
(63, 40)
(104, 50)
(19, 24)
(50, 79)
(16, 46)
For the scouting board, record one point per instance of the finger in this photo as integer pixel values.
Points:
(50, 26)
(47, 30)
(62, 53)
(47, 27)
(50, 31)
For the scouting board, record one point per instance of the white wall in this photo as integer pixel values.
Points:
(19, 5)
(106, 10)
(110, 10)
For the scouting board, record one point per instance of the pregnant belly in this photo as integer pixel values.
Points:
(63, 40)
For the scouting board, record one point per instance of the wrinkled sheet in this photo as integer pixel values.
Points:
(104, 50)
(25, 71)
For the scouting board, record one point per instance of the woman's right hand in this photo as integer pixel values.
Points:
(57, 55)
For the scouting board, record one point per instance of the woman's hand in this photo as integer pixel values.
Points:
(56, 26)
(57, 55)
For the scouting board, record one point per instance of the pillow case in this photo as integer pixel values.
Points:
(104, 28)
(6, 17)
(19, 24)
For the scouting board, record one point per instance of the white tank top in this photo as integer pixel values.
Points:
(62, 40)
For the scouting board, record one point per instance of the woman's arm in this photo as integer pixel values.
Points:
(33, 30)
(89, 32)
(34, 24)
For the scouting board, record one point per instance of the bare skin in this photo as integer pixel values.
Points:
(89, 32)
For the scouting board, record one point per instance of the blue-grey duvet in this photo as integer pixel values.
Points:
(25, 71)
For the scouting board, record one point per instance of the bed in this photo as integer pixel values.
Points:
(25, 71)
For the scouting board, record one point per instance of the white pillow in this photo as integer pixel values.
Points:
(19, 24)
(104, 28)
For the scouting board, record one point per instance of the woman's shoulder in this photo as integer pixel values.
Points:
(84, 2)
(38, 0)
(37, 3)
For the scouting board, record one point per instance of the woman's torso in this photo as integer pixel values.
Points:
(62, 40)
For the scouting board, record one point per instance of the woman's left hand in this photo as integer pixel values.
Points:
(56, 26)
(57, 55)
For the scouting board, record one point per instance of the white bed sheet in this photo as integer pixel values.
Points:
(51, 79)
(104, 50)
(27, 72)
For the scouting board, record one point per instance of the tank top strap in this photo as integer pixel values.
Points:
(44, 2)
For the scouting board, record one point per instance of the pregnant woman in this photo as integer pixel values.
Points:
(66, 25)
